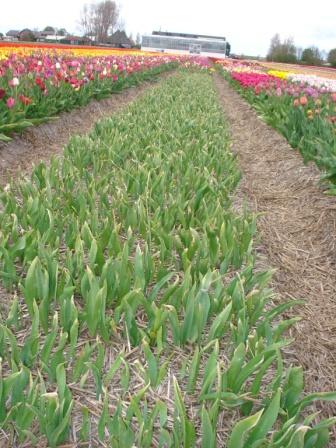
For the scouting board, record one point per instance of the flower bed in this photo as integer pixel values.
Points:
(36, 84)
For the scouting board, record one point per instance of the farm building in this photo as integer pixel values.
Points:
(119, 39)
(166, 42)
(75, 40)
(12, 35)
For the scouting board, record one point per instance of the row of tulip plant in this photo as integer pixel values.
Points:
(135, 315)
(28, 48)
(36, 86)
(300, 107)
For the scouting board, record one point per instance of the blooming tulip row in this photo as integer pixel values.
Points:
(256, 80)
(273, 85)
(36, 85)
(231, 65)
(323, 84)
(26, 49)
(279, 73)
(301, 107)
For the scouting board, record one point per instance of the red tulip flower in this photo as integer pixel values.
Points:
(25, 100)
(40, 83)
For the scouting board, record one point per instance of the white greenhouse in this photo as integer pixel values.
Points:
(182, 43)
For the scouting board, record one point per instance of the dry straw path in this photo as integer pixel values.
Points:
(297, 231)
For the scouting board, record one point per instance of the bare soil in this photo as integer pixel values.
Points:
(297, 229)
(40, 143)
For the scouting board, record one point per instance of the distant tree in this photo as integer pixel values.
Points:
(49, 30)
(87, 20)
(324, 55)
(332, 57)
(62, 32)
(311, 56)
(298, 53)
(27, 35)
(121, 24)
(107, 13)
(138, 40)
(99, 19)
(274, 47)
(131, 39)
(285, 51)
(288, 50)
(227, 49)
(1, 36)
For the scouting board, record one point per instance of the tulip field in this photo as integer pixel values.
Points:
(302, 107)
(38, 83)
(134, 312)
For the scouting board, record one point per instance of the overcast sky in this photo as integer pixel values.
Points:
(247, 24)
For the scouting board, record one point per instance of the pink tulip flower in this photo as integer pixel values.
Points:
(303, 100)
(10, 102)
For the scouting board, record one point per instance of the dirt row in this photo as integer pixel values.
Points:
(297, 230)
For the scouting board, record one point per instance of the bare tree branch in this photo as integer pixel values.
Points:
(99, 20)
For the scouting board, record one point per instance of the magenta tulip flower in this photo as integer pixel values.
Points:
(10, 102)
